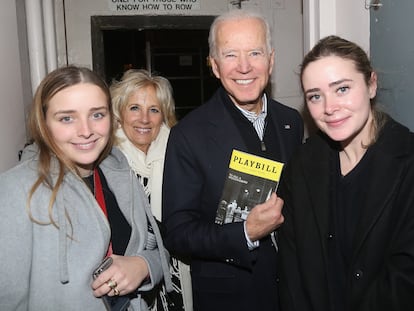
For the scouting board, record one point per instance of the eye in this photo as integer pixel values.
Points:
(98, 115)
(342, 89)
(313, 97)
(134, 108)
(154, 110)
(66, 119)
(229, 55)
(256, 53)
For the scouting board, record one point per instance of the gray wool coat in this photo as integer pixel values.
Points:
(45, 268)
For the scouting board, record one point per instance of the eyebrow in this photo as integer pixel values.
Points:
(330, 85)
(230, 50)
(64, 112)
(339, 82)
(74, 111)
(312, 90)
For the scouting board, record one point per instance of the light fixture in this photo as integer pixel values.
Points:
(375, 4)
(237, 3)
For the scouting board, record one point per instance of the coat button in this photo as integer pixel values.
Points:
(330, 236)
(358, 274)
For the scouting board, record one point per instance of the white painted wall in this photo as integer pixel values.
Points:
(348, 19)
(352, 20)
(12, 117)
(285, 17)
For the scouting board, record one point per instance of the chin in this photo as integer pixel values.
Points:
(338, 137)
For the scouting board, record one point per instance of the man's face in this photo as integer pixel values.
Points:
(243, 62)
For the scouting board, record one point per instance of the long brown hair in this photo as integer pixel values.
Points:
(337, 46)
(53, 83)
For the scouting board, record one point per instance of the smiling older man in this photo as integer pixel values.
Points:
(233, 266)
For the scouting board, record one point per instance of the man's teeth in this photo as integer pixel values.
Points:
(244, 81)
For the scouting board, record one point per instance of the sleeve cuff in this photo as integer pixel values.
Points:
(251, 245)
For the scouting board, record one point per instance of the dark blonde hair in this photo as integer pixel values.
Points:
(52, 84)
(135, 79)
(337, 46)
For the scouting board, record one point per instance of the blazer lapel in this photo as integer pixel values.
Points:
(378, 192)
(222, 131)
(277, 124)
(316, 164)
(390, 151)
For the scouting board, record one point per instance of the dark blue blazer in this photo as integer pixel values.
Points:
(225, 274)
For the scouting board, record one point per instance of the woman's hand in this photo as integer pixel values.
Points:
(124, 276)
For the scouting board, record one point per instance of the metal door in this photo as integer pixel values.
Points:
(392, 55)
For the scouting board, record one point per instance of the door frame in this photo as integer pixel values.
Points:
(101, 23)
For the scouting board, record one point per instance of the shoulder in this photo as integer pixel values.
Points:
(29, 151)
(205, 113)
(396, 139)
(116, 160)
(23, 172)
(193, 127)
(16, 182)
(286, 117)
(116, 169)
(197, 118)
(316, 147)
(282, 109)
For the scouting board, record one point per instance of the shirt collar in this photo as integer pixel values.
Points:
(252, 116)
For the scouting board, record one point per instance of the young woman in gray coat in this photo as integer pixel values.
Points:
(72, 202)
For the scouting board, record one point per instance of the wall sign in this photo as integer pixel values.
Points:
(129, 6)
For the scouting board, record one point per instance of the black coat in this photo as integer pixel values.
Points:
(381, 269)
(225, 274)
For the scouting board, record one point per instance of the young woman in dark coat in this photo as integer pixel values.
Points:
(348, 238)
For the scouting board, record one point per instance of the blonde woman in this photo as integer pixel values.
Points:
(145, 111)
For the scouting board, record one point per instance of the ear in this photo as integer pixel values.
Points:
(272, 61)
(214, 67)
(372, 87)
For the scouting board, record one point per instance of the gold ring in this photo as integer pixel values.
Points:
(116, 291)
(112, 284)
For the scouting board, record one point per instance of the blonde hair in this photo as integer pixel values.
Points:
(135, 79)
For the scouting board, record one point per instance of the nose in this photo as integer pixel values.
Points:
(331, 105)
(244, 65)
(144, 116)
(84, 129)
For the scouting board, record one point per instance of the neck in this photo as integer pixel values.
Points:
(255, 106)
(85, 172)
(349, 158)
